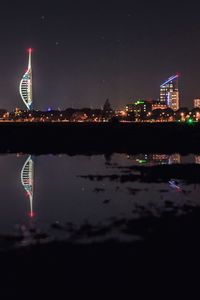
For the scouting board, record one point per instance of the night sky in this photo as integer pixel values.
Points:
(85, 53)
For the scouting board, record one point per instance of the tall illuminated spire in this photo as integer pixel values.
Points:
(29, 58)
(27, 180)
(25, 87)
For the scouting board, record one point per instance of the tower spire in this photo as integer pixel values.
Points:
(29, 58)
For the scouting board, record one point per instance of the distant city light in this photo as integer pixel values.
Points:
(139, 102)
(190, 121)
(141, 161)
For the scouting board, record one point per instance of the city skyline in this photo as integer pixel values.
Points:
(169, 90)
(85, 54)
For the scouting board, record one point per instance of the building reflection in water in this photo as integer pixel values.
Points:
(27, 172)
(27, 180)
(175, 159)
(156, 159)
(197, 159)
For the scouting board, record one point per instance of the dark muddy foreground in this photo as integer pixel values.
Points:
(165, 262)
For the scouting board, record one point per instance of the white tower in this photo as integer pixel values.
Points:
(25, 87)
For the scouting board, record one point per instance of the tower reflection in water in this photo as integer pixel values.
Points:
(27, 171)
(30, 233)
(27, 180)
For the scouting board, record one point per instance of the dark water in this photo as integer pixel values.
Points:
(91, 198)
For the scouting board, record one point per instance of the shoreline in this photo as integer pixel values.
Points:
(92, 138)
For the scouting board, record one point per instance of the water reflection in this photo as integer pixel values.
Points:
(156, 159)
(93, 196)
(174, 184)
(197, 159)
(27, 180)
(163, 159)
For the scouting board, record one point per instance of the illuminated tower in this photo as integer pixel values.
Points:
(27, 180)
(25, 87)
(169, 93)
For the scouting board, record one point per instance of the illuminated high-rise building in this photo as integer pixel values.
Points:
(196, 103)
(169, 93)
(25, 87)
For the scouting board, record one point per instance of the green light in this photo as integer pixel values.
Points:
(141, 161)
(139, 102)
(190, 121)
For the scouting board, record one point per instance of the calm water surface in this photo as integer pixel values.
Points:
(86, 198)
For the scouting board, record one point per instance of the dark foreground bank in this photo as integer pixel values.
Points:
(88, 138)
(165, 264)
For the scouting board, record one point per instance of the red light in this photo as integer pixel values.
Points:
(31, 214)
(30, 50)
